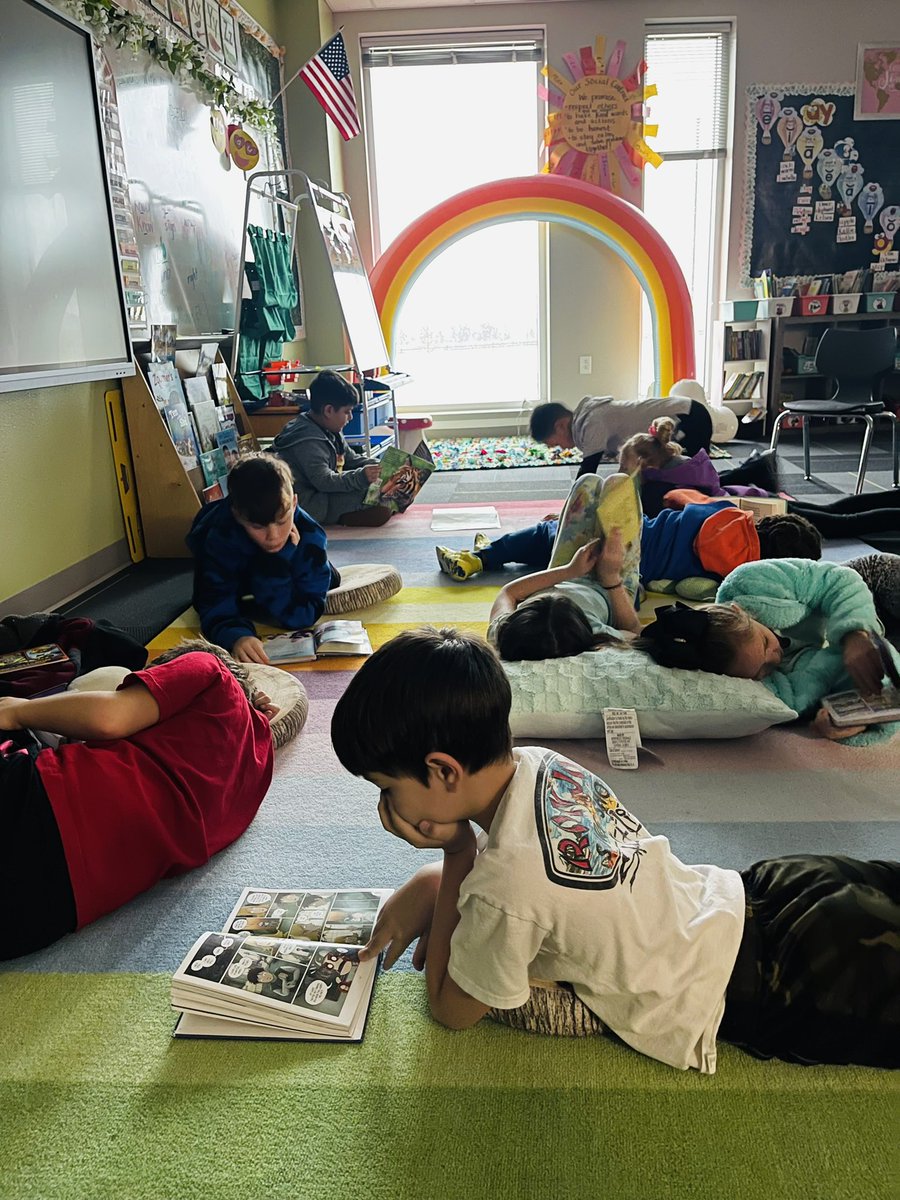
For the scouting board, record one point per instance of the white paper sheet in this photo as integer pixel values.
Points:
(447, 520)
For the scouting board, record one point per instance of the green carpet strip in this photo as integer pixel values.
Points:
(97, 1100)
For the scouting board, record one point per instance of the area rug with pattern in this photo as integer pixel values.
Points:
(481, 453)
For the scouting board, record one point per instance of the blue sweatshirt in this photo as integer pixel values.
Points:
(229, 565)
(667, 542)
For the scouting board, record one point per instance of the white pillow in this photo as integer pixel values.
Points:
(565, 698)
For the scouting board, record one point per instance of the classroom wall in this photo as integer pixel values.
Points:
(594, 301)
(61, 519)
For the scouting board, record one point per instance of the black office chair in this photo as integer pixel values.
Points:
(857, 360)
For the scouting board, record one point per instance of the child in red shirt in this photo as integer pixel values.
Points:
(171, 769)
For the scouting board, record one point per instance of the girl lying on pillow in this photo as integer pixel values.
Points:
(804, 629)
(168, 770)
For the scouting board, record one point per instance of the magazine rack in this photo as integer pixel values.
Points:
(374, 380)
(168, 493)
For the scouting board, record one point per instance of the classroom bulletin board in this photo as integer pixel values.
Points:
(822, 189)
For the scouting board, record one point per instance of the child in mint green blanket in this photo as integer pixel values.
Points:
(803, 628)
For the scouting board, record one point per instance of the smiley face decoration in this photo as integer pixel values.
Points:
(597, 132)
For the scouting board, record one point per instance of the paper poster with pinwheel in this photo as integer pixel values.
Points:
(596, 127)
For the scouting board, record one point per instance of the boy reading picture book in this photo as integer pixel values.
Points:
(401, 478)
(285, 965)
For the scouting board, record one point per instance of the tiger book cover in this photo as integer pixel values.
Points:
(402, 477)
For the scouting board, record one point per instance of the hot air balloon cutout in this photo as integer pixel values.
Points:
(597, 132)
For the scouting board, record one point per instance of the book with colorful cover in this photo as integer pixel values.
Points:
(329, 638)
(284, 966)
(401, 479)
(227, 442)
(182, 433)
(165, 384)
(31, 657)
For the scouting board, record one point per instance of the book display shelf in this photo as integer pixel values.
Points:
(169, 494)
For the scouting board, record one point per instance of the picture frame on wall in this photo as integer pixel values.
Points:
(230, 43)
(197, 21)
(178, 12)
(161, 6)
(213, 15)
(877, 82)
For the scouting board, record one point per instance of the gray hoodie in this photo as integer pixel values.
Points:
(601, 424)
(328, 475)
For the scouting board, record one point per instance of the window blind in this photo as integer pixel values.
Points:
(690, 65)
(419, 50)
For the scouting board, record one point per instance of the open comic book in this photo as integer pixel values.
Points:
(402, 477)
(329, 638)
(852, 708)
(285, 965)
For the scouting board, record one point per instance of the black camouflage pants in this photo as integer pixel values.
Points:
(817, 977)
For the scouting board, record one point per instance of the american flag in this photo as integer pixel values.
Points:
(327, 75)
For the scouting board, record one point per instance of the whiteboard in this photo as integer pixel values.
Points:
(186, 197)
(62, 314)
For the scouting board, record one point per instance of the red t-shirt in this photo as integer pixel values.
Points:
(133, 811)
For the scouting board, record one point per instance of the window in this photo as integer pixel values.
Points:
(446, 112)
(684, 198)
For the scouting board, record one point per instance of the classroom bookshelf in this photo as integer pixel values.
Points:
(787, 347)
(169, 495)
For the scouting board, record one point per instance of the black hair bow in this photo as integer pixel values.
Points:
(676, 634)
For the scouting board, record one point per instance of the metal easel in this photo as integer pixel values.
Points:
(369, 400)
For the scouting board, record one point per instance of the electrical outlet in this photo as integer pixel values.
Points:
(585, 366)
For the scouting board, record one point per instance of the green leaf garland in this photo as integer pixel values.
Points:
(183, 59)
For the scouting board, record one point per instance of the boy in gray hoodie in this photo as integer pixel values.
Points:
(330, 479)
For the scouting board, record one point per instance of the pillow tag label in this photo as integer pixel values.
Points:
(623, 737)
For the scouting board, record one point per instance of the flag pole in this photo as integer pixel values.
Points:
(296, 74)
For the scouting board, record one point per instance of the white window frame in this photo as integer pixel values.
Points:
(723, 152)
(446, 41)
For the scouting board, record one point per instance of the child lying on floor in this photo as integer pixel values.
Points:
(168, 770)
(802, 628)
(793, 958)
(687, 551)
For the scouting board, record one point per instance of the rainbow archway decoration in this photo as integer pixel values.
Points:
(561, 200)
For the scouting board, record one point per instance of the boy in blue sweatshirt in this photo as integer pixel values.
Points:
(257, 546)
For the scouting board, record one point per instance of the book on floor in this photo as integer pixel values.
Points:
(761, 506)
(284, 965)
(402, 477)
(33, 656)
(329, 638)
(852, 708)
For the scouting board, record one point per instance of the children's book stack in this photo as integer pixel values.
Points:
(285, 965)
(197, 411)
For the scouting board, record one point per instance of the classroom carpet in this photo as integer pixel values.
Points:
(488, 453)
(98, 1100)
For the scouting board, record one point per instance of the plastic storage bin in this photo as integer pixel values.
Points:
(880, 301)
(782, 306)
(814, 306)
(847, 302)
(773, 306)
(739, 310)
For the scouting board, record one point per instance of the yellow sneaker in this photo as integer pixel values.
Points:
(482, 541)
(458, 564)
